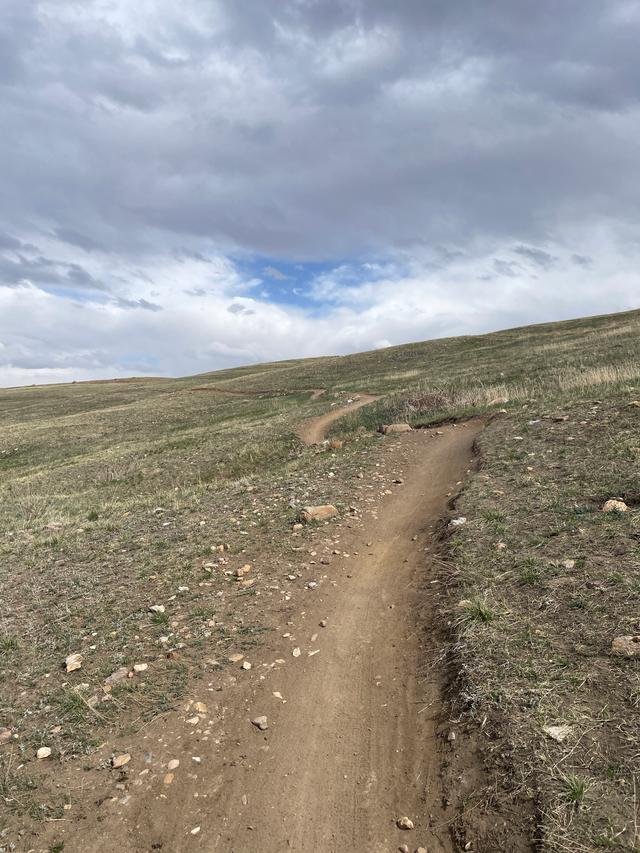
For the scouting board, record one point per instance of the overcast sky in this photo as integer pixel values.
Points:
(192, 185)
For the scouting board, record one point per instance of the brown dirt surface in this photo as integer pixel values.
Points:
(314, 430)
(357, 729)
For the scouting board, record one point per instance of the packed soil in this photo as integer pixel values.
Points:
(351, 688)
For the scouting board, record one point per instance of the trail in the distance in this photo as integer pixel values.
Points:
(314, 430)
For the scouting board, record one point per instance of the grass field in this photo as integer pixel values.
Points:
(118, 496)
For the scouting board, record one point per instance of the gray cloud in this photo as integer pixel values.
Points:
(429, 133)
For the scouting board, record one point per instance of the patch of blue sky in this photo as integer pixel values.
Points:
(313, 286)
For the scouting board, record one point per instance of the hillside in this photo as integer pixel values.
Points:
(117, 497)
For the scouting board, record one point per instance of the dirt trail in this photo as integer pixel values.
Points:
(353, 748)
(314, 430)
(351, 744)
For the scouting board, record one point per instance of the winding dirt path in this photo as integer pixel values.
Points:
(314, 430)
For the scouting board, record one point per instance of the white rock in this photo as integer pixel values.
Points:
(558, 733)
(173, 764)
(43, 752)
(404, 823)
(73, 661)
(296, 652)
(260, 723)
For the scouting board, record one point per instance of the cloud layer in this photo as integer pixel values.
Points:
(189, 186)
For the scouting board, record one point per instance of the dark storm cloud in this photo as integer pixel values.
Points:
(317, 129)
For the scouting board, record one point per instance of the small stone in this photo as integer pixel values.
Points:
(451, 737)
(43, 752)
(120, 760)
(246, 664)
(627, 647)
(168, 778)
(236, 658)
(140, 667)
(457, 522)
(317, 513)
(200, 707)
(323, 623)
(296, 652)
(73, 662)
(157, 608)
(404, 823)
(173, 764)
(558, 733)
(421, 850)
(615, 505)
(193, 721)
(118, 675)
(5, 735)
(195, 830)
(260, 723)
(404, 848)
(568, 564)
(387, 429)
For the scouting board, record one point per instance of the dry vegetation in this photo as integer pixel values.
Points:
(115, 496)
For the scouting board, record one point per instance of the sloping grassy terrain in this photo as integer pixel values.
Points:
(118, 496)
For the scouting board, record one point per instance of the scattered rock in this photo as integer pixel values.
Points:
(43, 752)
(336, 444)
(404, 848)
(421, 850)
(404, 823)
(260, 723)
(168, 778)
(140, 667)
(558, 733)
(317, 513)
(5, 735)
(120, 760)
(200, 707)
(296, 652)
(615, 505)
(157, 608)
(323, 623)
(457, 522)
(235, 658)
(627, 647)
(246, 664)
(568, 564)
(173, 764)
(387, 429)
(195, 830)
(73, 662)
